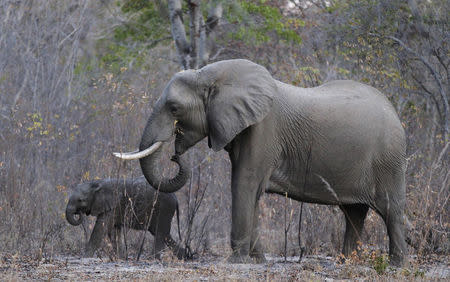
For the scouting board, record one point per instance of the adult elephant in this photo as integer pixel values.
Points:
(337, 144)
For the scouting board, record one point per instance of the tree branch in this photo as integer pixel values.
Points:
(417, 18)
(434, 74)
(214, 15)
(428, 93)
(178, 31)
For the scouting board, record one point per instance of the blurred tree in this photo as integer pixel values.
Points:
(196, 40)
(404, 39)
(196, 52)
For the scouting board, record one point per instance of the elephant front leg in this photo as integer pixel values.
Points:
(97, 236)
(256, 249)
(245, 195)
(252, 166)
(241, 228)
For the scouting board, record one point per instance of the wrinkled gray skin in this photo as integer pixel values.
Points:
(337, 144)
(119, 202)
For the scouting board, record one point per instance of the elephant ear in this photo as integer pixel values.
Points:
(240, 94)
(104, 197)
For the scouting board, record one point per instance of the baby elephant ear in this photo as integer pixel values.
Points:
(103, 198)
(240, 95)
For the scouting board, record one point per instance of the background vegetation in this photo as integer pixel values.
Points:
(78, 80)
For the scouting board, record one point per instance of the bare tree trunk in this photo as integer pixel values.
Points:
(418, 18)
(208, 34)
(178, 32)
(195, 16)
(195, 53)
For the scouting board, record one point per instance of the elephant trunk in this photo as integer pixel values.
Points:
(70, 216)
(150, 164)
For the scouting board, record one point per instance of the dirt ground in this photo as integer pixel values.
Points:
(19, 268)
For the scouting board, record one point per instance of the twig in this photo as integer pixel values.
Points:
(441, 155)
(147, 223)
(193, 208)
(302, 248)
(286, 226)
(307, 171)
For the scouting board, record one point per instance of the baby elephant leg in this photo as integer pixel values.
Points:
(176, 249)
(116, 242)
(161, 231)
(97, 236)
(159, 246)
(103, 235)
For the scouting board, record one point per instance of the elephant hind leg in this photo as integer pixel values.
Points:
(354, 222)
(390, 204)
(158, 230)
(395, 225)
(176, 249)
(159, 245)
(397, 242)
(116, 242)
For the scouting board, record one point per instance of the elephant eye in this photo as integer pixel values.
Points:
(173, 109)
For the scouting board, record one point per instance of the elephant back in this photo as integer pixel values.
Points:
(136, 204)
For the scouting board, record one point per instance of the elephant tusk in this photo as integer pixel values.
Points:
(139, 154)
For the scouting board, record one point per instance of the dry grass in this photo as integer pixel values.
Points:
(209, 268)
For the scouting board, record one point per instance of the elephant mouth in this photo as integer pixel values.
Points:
(185, 140)
(74, 218)
(81, 211)
(77, 216)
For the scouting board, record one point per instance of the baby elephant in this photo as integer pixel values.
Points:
(129, 202)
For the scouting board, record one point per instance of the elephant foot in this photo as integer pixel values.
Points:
(112, 256)
(340, 258)
(258, 257)
(88, 253)
(182, 255)
(397, 260)
(186, 255)
(240, 259)
(122, 255)
(156, 256)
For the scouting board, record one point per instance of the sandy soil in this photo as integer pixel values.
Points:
(19, 268)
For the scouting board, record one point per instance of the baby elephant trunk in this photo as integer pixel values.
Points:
(73, 217)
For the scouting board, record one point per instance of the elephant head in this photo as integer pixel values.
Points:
(90, 198)
(218, 101)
